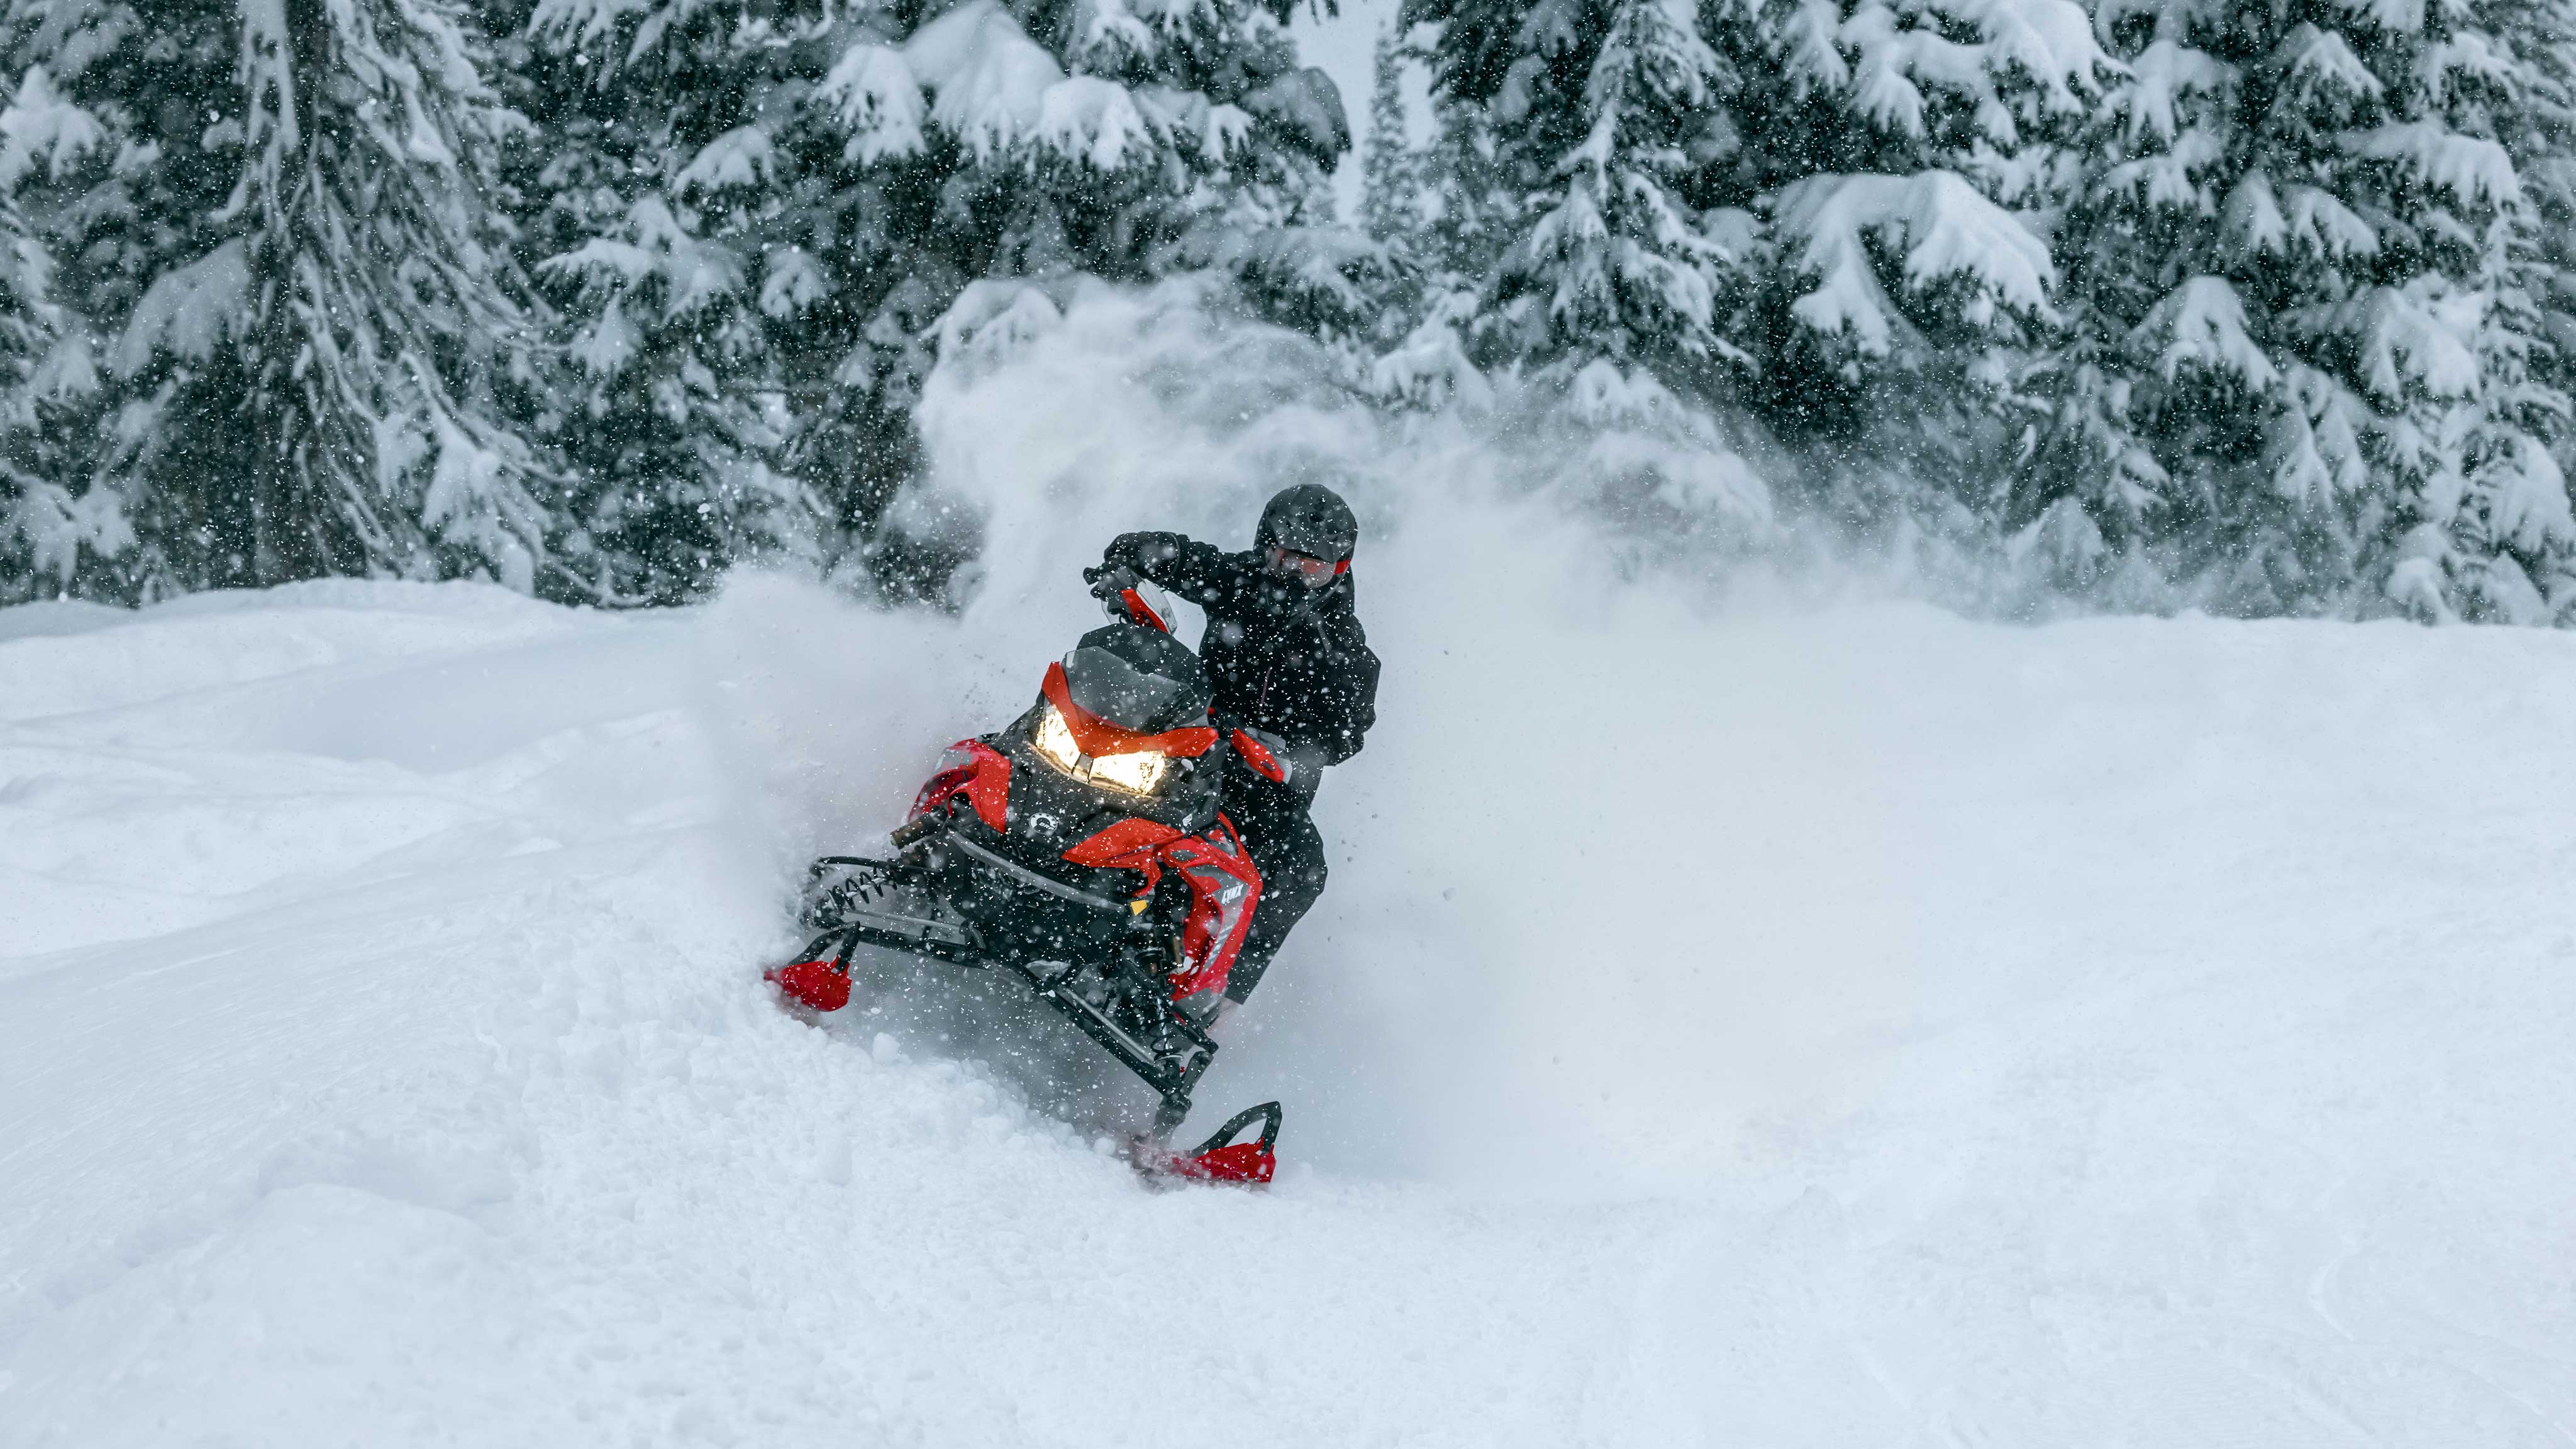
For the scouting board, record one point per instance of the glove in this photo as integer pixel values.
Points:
(1108, 580)
(1126, 551)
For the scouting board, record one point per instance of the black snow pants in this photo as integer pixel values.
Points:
(1281, 839)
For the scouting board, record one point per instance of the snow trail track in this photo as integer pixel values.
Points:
(1871, 1029)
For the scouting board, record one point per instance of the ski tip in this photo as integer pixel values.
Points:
(1220, 1159)
(812, 983)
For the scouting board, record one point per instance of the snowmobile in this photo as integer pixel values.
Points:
(1083, 850)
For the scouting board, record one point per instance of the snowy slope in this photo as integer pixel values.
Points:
(1846, 1030)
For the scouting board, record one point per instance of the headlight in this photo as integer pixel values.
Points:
(1140, 772)
(1055, 741)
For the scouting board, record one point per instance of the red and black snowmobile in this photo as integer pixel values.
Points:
(1084, 851)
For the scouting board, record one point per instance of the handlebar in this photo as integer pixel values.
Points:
(1128, 598)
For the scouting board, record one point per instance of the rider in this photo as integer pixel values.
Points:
(1291, 667)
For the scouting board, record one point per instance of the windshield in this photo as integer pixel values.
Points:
(1119, 692)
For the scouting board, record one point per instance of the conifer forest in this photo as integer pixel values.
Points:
(2264, 307)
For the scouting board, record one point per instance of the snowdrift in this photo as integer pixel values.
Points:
(1834, 1029)
(1885, 1029)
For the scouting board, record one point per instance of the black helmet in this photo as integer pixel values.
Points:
(1310, 519)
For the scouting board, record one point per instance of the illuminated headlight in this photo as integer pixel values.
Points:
(1140, 772)
(1055, 741)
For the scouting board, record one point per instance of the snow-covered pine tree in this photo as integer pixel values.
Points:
(1906, 156)
(1577, 124)
(1259, 208)
(2505, 547)
(1568, 250)
(2499, 543)
(1395, 209)
(661, 207)
(2287, 262)
(1464, 187)
(1804, 209)
(761, 214)
(2542, 141)
(58, 532)
(302, 291)
(1616, 265)
(1390, 206)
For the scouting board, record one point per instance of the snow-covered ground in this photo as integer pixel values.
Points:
(1740, 1027)
(1865, 1028)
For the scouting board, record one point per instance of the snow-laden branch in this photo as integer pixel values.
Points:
(2422, 334)
(656, 249)
(987, 80)
(2201, 324)
(2309, 219)
(2320, 73)
(878, 100)
(188, 312)
(2164, 77)
(42, 125)
(1940, 229)
(2471, 168)
(975, 75)
(740, 159)
(1906, 52)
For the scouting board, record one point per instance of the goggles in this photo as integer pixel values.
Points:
(1305, 567)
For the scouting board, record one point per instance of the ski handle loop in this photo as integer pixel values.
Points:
(1268, 1111)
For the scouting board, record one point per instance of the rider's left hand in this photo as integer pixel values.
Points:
(1108, 581)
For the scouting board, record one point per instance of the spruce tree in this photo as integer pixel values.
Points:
(1908, 159)
(2298, 265)
(1585, 114)
(660, 209)
(758, 216)
(299, 283)
(1390, 209)
(1804, 214)
(1616, 265)
(2506, 549)
(57, 529)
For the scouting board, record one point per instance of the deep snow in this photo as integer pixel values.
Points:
(1738, 1027)
(1869, 1028)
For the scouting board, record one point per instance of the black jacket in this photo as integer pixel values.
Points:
(1285, 658)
